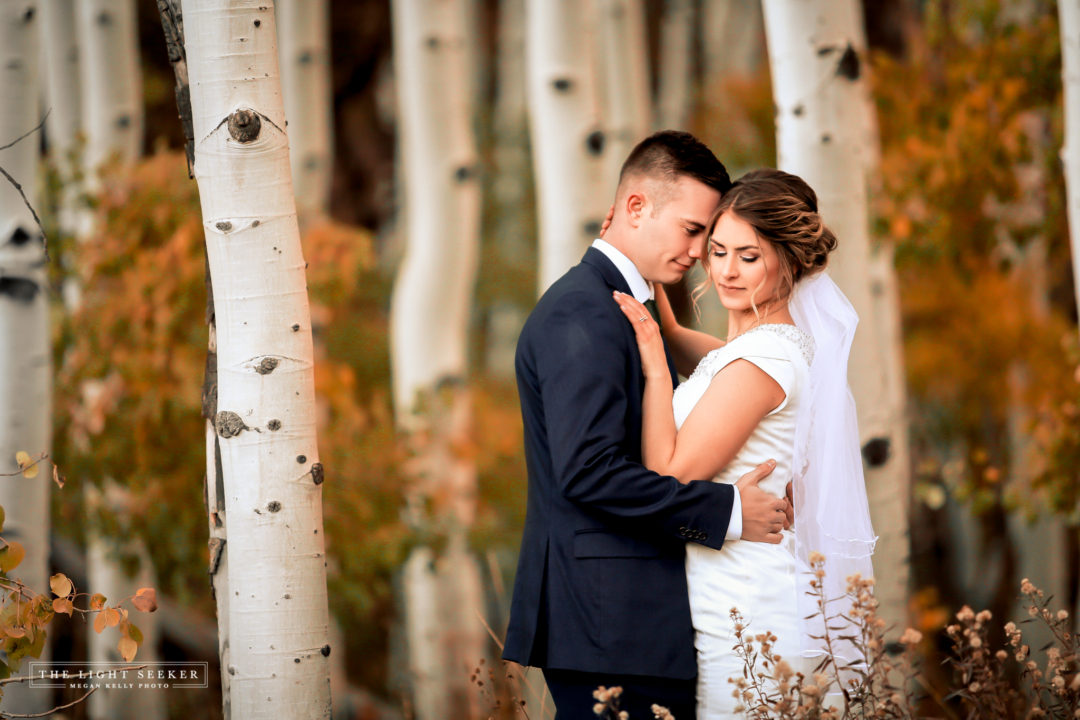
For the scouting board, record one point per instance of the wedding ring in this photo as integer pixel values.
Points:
(643, 318)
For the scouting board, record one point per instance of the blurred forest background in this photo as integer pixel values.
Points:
(968, 198)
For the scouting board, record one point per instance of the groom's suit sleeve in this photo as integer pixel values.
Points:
(582, 368)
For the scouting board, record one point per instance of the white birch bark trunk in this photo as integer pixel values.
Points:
(822, 136)
(265, 420)
(429, 330)
(731, 40)
(304, 48)
(111, 84)
(25, 365)
(625, 88)
(510, 187)
(565, 122)
(106, 71)
(106, 575)
(1069, 20)
(1069, 14)
(676, 43)
(60, 76)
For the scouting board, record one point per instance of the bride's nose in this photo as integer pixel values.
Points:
(730, 268)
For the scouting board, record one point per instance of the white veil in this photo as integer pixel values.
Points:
(832, 515)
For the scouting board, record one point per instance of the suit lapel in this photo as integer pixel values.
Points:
(615, 280)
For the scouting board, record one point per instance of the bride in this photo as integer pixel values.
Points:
(775, 388)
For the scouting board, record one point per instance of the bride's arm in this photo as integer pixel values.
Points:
(742, 394)
(687, 346)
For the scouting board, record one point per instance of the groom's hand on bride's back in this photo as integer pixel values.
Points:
(764, 515)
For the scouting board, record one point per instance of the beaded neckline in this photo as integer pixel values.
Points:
(793, 334)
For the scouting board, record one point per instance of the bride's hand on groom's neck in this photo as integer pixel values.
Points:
(607, 221)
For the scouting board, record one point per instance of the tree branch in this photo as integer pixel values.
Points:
(17, 186)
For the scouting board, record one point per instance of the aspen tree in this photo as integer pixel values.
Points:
(625, 89)
(111, 82)
(823, 135)
(1069, 15)
(264, 404)
(25, 356)
(674, 87)
(63, 128)
(1069, 18)
(568, 142)
(304, 48)
(429, 332)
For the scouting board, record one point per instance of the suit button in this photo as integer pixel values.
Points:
(704, 537)
(682, 530)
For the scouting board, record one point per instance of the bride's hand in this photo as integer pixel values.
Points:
(647, 332)
(607, 221)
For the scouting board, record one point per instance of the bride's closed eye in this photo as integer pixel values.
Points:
(745, 258)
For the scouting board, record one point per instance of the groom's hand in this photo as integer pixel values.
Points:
(763, 515)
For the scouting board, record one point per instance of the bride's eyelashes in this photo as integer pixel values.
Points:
(717, 252)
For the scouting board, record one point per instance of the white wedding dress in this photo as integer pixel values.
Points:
(757, 578)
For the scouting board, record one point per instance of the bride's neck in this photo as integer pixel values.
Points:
(739, 321)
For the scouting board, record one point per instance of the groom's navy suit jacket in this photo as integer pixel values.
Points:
(600, 585)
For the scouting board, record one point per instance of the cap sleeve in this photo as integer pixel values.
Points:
(769, 353)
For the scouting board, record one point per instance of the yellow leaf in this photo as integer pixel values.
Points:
(26, 464)
(127, 648)
(112, 617)
(62, 605)
(11, 556)
(145, 599)
(60, 585)
(99, 622)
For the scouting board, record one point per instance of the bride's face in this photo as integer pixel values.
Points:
(744, 269)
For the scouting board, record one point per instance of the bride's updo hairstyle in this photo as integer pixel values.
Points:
(783, 210)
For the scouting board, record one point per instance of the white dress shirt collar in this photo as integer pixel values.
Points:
(639, 287)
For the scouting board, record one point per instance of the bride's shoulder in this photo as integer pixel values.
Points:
(781, 337)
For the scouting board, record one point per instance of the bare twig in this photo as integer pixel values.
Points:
(28, 133)
(17, 186)
(43, 456)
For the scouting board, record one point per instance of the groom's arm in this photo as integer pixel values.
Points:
(582, 367)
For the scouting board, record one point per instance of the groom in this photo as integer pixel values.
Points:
(600, 595)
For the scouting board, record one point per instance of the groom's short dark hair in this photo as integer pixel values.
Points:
(670, 153)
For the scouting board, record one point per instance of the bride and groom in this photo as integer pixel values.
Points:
(653, 510)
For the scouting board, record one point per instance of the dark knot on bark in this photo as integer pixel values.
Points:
(244, 125)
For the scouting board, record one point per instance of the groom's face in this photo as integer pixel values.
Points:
(672, 229)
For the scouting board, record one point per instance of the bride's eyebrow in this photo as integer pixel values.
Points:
(744, 248)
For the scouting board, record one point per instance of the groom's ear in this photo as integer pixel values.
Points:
(636, 205)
